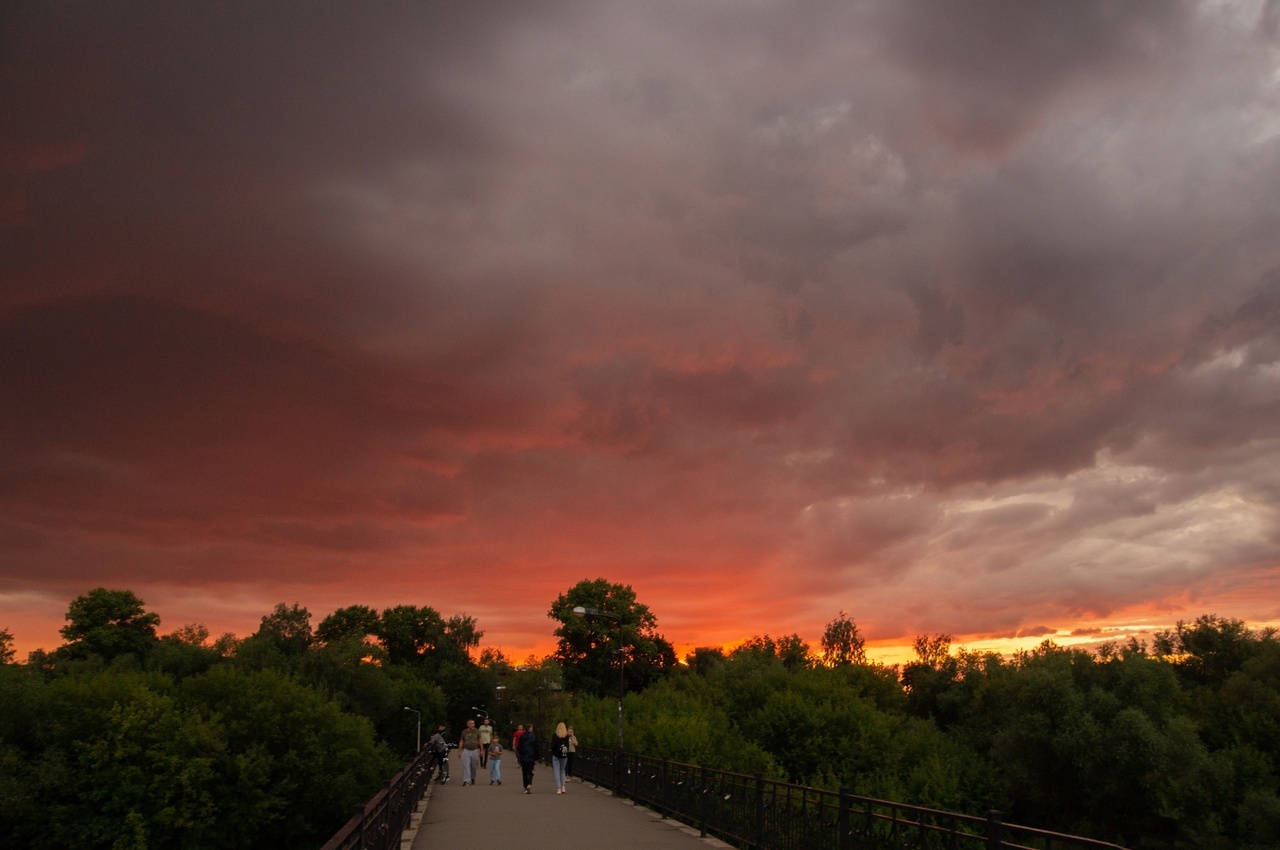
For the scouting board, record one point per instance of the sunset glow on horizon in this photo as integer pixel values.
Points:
(959, 318)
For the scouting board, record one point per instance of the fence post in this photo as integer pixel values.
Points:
(759, 830)
(845, 842)
(995, 828)
(388, 815)
(666, 782)
(702, 803)
(359, 812)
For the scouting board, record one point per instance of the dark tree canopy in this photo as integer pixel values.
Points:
(353, 621)
(288, 627)
(108, 623)
(411, 633)
(842, 643)
(588, 650)
(790, 650)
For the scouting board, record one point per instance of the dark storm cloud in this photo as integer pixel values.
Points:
(959, 316)
(990, 71)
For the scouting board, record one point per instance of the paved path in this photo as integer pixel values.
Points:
(484, 816)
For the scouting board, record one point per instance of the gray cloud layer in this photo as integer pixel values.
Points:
(959, 316)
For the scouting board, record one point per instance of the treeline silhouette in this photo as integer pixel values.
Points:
(124, 738)
(127, 740)
(1170, 745)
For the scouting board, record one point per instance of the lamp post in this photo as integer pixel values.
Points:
(419, 715)
(594, 613)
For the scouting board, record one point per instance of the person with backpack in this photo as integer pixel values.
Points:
(527, 755)
(559, 755)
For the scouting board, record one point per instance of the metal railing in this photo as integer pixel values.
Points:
(379, 823)
(754, 813)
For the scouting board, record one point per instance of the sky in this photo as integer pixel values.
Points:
(961, 318)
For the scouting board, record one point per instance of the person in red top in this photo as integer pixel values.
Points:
(515, 739)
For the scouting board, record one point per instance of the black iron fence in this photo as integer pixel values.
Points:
(378, 824)
(754, 813)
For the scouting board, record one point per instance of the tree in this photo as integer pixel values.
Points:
(288, 628)
(790, 650)
(588, 648)
(1209, 650)
(108, 623)
(793, 652)
(410, 634)
(6, 647)
(184, 652)
(932, 650)
(461, 631)
(703, 658)
(192, 634)
(842, 643)
(352, 621)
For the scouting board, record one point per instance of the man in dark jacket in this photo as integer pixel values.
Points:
(527, 755)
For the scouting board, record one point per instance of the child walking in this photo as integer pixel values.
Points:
(495, 761)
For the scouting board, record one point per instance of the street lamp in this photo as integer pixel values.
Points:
(592, 614)
(419, 714)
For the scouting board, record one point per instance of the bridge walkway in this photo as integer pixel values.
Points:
(486, 817)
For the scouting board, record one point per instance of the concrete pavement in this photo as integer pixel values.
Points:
(481, 817)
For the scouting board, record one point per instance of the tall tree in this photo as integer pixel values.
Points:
(6, 647)
(288, 627)
(842, 643)
(411, 634)
(588, 648)
(108, 623)
(353, 621)
(932, 650)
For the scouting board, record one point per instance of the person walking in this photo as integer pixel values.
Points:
(527, 754)
(559, 755)
(440, 749)
(515, 737)
(495, 761)
(469, 753)
(486, 735)
(573, 748)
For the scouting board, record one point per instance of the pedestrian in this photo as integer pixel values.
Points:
(469, 753)
(495, 761)
(515, 738)
(440, 749)
(486, 734)
(527, 754)
(573, 748)
(559, 755)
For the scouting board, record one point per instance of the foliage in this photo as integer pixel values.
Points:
(842, 643)
(790, 650)
(108, 623)
(353, 621)
(625, 633)
(122, 739)
(287, 629)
